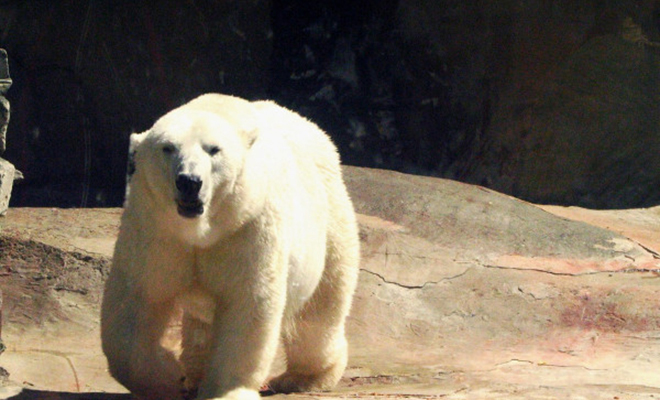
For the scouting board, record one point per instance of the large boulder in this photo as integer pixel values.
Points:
(463, 293)
(474, 281)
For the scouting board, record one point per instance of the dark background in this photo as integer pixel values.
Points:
(550, 101)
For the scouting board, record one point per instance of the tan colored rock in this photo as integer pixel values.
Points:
(464, 294)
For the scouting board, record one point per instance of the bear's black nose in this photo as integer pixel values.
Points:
(188, 185)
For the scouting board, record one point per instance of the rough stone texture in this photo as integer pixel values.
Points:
(464, 294)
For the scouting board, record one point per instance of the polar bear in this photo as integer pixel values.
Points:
(237, 213)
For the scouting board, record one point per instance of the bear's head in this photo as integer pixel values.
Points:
(192, 157)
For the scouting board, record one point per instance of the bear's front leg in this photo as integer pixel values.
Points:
(131, 328)
(245, 334)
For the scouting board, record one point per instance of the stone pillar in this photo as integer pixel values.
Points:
(7, 171)
(5, 83)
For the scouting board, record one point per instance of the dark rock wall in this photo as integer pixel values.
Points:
(88, 73)
(575, 109)
(548, 101)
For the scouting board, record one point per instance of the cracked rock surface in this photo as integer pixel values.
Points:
(464, 293)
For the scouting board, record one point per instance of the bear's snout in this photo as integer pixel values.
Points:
(189, 204)
(188, 185)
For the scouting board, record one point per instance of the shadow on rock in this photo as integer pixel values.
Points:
(28, 394)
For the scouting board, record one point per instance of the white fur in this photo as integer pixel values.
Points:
(273, 255)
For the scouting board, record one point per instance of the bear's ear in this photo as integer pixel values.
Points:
(134, 141)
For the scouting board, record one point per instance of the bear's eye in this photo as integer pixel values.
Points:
(168, 149)
(213, 150)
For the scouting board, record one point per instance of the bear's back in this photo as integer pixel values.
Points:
(309, 144)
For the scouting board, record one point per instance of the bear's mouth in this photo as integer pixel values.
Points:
(190, 209)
